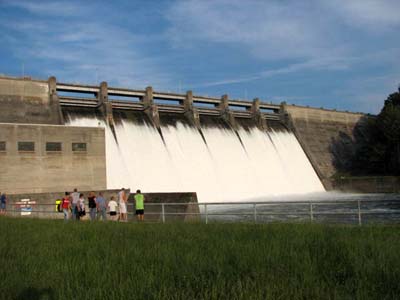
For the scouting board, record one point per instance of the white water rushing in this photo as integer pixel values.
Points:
(271, 164)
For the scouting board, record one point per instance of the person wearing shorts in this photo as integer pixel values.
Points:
(139, 205)
(112, 205)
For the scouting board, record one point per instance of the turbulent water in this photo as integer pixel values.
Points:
(219, 168)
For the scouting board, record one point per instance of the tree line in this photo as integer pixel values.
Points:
(376, 145)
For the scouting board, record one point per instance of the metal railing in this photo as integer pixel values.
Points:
(312, 211)
(336, 211)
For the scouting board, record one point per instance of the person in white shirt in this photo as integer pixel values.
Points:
(75, 205)
(82, 212)
(112, 205)
(122, 201)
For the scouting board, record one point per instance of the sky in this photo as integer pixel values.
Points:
(338, 54)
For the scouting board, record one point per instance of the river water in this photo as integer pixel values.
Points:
(328, 207)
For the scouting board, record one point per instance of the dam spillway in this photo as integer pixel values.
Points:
(57, 136)
(218, 163)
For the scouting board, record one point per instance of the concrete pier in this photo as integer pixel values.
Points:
(257, 116)
(226, 114)
(191, 112)
(104, 105)
(150, 108)
(54, 100)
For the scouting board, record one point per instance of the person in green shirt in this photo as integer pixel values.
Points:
(139, 205)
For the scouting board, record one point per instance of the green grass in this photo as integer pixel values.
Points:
(47, 259)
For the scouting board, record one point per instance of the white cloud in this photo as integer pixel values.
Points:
(316, 35)
(323, 63)
(83, 48)
(51, 8)
(269, 30)
(375, 14)
(280, 30)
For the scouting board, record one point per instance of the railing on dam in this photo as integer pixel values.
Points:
(359, 212)
(130, 99)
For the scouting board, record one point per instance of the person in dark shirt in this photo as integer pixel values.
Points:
(92, 206)
(3, 202)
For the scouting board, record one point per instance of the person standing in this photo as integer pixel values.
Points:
(75, 204)
(66, 205)
(122, 199)
(101, 206)
(112, 205)
(3, 203)
(92, 205)
(81, 203)
(139, 205)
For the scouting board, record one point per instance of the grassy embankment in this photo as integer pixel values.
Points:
(47, 259)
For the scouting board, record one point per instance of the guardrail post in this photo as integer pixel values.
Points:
(205, 210)
(163, 212)
(359, 212)
(311, 212)
(255, 212)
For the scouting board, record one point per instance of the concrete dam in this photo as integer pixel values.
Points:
(56, 136)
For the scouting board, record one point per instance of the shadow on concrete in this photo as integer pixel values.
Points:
(349, 151)
(31, 293)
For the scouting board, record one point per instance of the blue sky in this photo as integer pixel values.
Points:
(326, 53)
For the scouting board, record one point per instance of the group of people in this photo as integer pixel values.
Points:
(74, 205)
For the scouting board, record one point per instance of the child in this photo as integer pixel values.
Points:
(81, 203)
(113, 208)
(66, 205)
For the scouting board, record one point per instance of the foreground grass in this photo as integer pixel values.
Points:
(47, 259)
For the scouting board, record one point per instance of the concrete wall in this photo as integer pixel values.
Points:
(378, 184)
(41, 170)
(45, 205)
(322, 133)
(27, 101)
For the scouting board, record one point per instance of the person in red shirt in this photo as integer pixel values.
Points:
(66, 205)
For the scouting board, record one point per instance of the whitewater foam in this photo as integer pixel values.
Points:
(267, 164)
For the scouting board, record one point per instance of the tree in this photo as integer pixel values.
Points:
(388, 122)
(378, 151)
